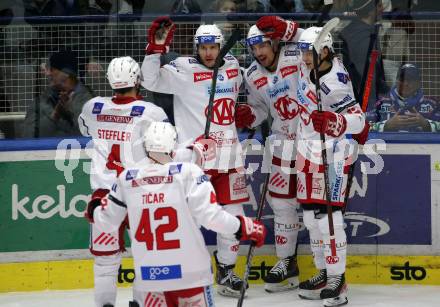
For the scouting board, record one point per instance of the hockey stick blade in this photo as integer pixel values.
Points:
(326, 29)
(236, 35)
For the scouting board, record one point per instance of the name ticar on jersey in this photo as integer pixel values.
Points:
(153, 198)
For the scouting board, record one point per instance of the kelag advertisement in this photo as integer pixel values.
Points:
(42, 210)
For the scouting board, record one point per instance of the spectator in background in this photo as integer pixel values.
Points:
(356, 37)
(186, 7)
(55, 112)
(406, 109)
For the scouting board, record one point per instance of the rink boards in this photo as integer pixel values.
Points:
(391, 222)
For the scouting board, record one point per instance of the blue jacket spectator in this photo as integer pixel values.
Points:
(406, 109)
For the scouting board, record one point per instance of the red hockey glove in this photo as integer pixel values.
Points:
(243, 116)
(330, 123)
(205, 149)
(160, 35)
(277, 28)
(97, 196)
(251, 230)
(362, 137)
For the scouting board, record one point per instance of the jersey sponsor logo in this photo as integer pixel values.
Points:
(275, 79)
(220, 77)
(280, 240)
(232, 73)
(344, 78)
(312, 97)
(288, 70)
(97, 107)
(193, 61)
(201, 76)
(344, 100)
(281, 88)
(137, 110)
(161, 272)
(287, 108)
(225, 88)
(325, 88)
(425, 108)
(152, 180)
(131, 174)
(332, 259)
(222, 111)
(235, 248)
(175, 169)
(251, 70)
(229, 58)
(291, 52)
(260, 82)
(114, 119)
(206, 39)
(202, 179)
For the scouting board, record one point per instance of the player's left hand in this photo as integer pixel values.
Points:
(277, 28)
(160, 35)
(330, 123)
(251, 230)
(95, 202)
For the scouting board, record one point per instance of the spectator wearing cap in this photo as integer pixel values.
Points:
(55, 112)
(405, 108)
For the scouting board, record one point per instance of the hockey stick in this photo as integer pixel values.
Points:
(236, 35)
(367, 81)
(330, 25)
(250, 254)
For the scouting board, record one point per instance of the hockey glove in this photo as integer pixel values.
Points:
(97, 196)
(277, 28)
(160, 35)
(243, 116)
(205, 149)
(362, 137)
(251, 230)
(330, 123)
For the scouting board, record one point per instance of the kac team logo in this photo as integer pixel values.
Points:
(287, 108)
(222, 111)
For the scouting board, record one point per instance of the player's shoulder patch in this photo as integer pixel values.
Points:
(230, 57)
(131, 174)
(97, 107)
(137, 110)
(193, 61)
(202, 178)
(251, 69)
(325, 88)
(175, 169)
(343, 77)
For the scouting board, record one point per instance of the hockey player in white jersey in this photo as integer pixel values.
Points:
(117, 125)
(341, 115)
(189, 79)
(271, 83)
(167, 202)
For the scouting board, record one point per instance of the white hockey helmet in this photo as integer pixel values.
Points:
(309, 36)
(160, 137)
(123, 72)
(255, 36)
(208, 34)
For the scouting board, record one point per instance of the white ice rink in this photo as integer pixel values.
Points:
(359, 295)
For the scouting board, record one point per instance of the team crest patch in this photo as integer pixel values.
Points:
(175, 169)
(137, 110)
(343, 77)
(131, 174)
(97, 107)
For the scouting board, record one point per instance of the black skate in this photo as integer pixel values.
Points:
(108, 305)
(283, 276)
(335, 292)
(311, 289)
(228, 284)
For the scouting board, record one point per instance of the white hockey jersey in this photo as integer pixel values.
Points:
(166, 206)
(336, 96)
(275, 92)
(117, 127)
(190, 82)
